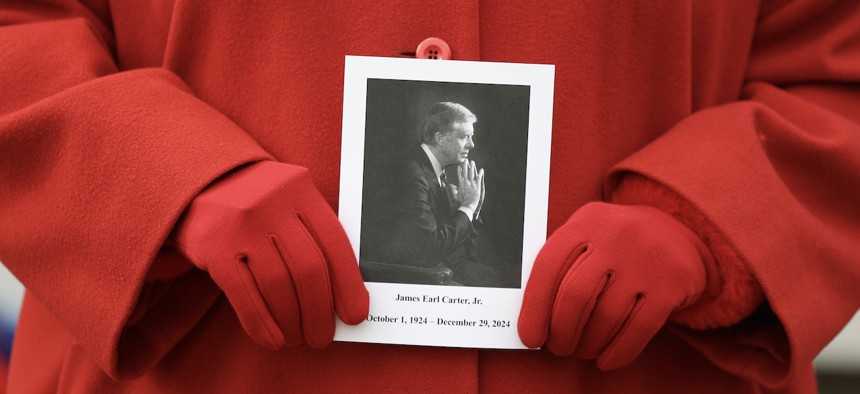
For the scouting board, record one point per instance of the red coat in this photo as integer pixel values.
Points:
(3, 373)
(113, 116)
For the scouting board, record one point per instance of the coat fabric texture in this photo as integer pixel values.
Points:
(738, 117)
(3, 373)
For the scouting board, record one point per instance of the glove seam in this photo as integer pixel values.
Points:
(258, 313)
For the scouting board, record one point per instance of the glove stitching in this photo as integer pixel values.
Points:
(619, 324)
(309, 233)
(296, 285)
(610, 348)
(292, 340)
(296, 282)
(599, 288)
(614, 327)
(249, 294)
(594, 299)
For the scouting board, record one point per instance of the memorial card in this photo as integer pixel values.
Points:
(443, 194)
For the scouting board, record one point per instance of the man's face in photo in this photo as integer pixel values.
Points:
(455, 145)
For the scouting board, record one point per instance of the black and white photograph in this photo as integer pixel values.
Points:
(444, 183)
(444, 192)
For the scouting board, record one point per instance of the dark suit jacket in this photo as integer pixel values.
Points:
(427, 228)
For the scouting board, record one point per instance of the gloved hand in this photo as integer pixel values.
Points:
(270, 241)
(608, 279)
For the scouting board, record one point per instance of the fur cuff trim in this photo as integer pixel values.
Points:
(739, 294)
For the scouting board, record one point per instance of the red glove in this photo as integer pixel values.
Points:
(276, 249)
(608, 279)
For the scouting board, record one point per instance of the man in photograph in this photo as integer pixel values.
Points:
(436, 221)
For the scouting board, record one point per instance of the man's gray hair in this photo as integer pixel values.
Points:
(441, 117)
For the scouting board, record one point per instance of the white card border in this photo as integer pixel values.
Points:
(500, 304)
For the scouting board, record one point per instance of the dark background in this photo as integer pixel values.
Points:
(395, 116)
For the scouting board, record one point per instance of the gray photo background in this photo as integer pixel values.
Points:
(395, 116)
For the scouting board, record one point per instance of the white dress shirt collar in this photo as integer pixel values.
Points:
(437, 167)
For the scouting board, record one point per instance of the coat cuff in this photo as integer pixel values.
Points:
(166, 311)
(738, 294)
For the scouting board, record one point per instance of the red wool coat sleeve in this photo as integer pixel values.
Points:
(75, 135)
(777, 176)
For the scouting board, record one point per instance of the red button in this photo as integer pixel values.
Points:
(433, 48)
